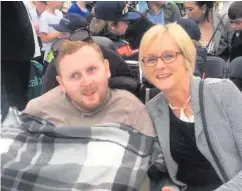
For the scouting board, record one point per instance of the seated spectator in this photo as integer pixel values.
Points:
(80, 7)
(111, 19)
(52, 15)
(215, 30)
(198, 122)
(68, 135)
(235, 16)
(193, 31)
(162, 12)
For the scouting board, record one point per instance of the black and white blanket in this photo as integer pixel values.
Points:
(37, 156)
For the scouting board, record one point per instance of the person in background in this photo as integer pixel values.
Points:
(192, 29)
(124, 26)
(235, 16)
(51, 15)
(111, 19)
(162, 12)
(35, 12)
(216, 33)
(201, 152)
(67, 25)
(80, 7)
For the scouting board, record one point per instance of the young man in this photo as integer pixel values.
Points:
(100, 139)
(235, 16)
(49, 17)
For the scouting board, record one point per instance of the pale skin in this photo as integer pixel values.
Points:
(172, 79)
(84, 80)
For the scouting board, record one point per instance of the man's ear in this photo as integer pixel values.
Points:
(106, 65)
(59, 80)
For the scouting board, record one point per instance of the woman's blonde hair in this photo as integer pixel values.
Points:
(178, 34)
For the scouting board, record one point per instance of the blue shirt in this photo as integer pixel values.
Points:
(156, 19)
(75, 9)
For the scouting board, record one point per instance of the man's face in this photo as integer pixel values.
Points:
(236, 24)
(84, 77)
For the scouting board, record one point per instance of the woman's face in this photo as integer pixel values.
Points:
(193, 11)
(165, 74)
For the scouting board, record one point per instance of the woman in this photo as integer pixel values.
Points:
(216, 33)
(167, 57)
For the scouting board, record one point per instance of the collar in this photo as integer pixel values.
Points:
(85, 113)
(151, 12)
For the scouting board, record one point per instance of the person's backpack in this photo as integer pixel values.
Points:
(35, 79)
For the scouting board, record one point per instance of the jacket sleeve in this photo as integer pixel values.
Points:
(232, 102)
(158, 174)
(175, 12)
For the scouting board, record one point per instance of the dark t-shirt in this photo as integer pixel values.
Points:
(193, 168)
(236, 46)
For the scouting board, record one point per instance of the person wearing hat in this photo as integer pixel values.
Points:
(193, 30)
(114, 20)
(67, 25)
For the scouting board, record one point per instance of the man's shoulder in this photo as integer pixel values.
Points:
(45, 100)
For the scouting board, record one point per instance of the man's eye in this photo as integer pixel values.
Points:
(91, 69)
(75, 76)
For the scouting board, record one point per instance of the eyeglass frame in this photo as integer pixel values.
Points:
(161, 57)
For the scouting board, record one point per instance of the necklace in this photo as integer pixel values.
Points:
(177, 108)
(183, 117)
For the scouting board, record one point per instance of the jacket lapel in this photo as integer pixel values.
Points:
(194, 91)
(163, 131)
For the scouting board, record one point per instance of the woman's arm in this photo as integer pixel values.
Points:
(232, 102)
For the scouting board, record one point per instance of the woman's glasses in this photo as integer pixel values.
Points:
(167, 58)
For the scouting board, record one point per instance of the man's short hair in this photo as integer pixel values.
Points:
(235, 10)
(70, 47)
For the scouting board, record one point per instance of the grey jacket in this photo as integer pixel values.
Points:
(223, 110)
(223, 36)
(171, 13)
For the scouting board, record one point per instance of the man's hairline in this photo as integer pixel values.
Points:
(86, 45)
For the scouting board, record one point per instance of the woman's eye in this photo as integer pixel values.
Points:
(168, 56)
(152, 59)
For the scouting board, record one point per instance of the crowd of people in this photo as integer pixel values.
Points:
(89, 130)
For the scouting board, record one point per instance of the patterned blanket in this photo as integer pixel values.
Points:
(37, 156)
